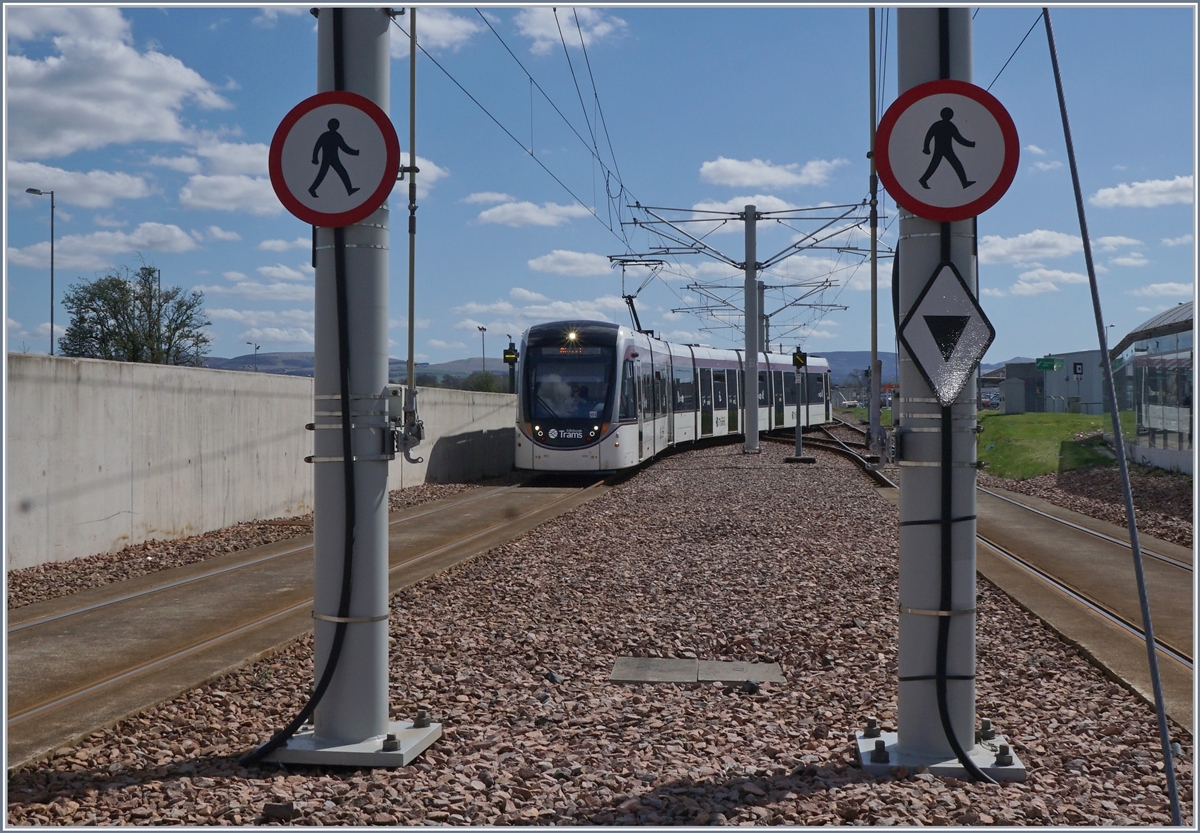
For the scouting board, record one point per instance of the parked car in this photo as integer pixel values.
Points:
(989, 400)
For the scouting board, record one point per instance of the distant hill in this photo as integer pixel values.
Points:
(841, 364)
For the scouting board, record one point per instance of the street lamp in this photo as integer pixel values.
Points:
(483, 346)
(255, 346)
(39, 193)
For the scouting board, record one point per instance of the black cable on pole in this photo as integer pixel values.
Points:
(343, 324)
(1110, 394)
(943, 639)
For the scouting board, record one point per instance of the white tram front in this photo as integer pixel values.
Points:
(594, 396)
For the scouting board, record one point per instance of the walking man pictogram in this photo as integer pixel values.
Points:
(944, 134)
(327, 147)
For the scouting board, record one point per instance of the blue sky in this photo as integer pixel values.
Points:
(152, 126)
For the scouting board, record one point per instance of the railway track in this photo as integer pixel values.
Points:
(1089, 566)
(80, 662)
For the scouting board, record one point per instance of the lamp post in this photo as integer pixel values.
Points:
(39, 193)
(483, 346)
(255, 346)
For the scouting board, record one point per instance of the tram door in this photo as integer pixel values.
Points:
(777, 393)
(706, 402)
(641, 408)
(734, 394)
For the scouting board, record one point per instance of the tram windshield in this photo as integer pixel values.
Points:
(569, 385)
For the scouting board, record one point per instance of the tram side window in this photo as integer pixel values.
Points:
(719, 389)
(628, 392)
(763, 392)
(647, 394)
(789, 389)
(735, 387)
(660, 393)
(683, 389)
(816, 388)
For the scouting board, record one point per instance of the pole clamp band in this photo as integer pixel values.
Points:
(918, 612)
(349, 620)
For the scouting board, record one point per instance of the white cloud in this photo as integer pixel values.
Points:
(487, 197)
(268, 16)
(254, 291)
(1028, 247)
(1035, 150)
(526, 295)
(1159, 290)
(108, 222)
(96, 250)
(575, 264)
(279, 272)
(94, 189)
(34, 22)
(438, 344)
(284, 245)
(1177, 241)
(1112, 243)
(234, 157)
(264, 318)
(429, 174)
(1147, 194)
(97, 90)
(475, 308)
(218, 233)
(226, 192)
(757, 173)
(1131, 259)
(291, 335)
(539, 25)
(1047, 166)
(992, 293)
(761, 202)
(528, 214)
(183, 164)
(437, 29)
(1037, 281)
(235, 276)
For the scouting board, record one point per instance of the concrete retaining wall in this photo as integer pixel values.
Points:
(101, 455)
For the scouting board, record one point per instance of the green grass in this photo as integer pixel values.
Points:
(1021, 446)
(863, 415)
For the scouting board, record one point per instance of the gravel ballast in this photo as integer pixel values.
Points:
(709, 554)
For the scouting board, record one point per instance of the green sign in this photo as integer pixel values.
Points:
(1050, 364)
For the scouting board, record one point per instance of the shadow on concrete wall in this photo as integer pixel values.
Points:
(463, 458)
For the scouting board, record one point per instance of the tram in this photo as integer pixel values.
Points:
(596, 396)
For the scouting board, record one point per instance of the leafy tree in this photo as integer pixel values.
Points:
(487, 382)
(126, 316)
(427, 380)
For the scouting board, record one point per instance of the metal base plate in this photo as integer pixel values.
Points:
(303, 748)
(984, 756)
(795, 459)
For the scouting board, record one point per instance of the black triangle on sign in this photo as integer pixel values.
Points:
(947, 330)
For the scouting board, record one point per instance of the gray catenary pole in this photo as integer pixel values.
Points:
(936, 703)
(873, 414)
(750, 386)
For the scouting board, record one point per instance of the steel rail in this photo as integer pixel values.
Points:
(271, 617)
(1096, 607)
(217, 571)
(1148, 553)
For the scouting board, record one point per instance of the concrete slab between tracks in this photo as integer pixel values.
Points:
(682, 670)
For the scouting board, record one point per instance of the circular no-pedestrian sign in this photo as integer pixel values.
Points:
(946, 150)
(334, 159)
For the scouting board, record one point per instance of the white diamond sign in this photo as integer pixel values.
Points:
(946, 333)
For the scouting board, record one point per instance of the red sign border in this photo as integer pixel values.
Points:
(391, 164)
(945, 214)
